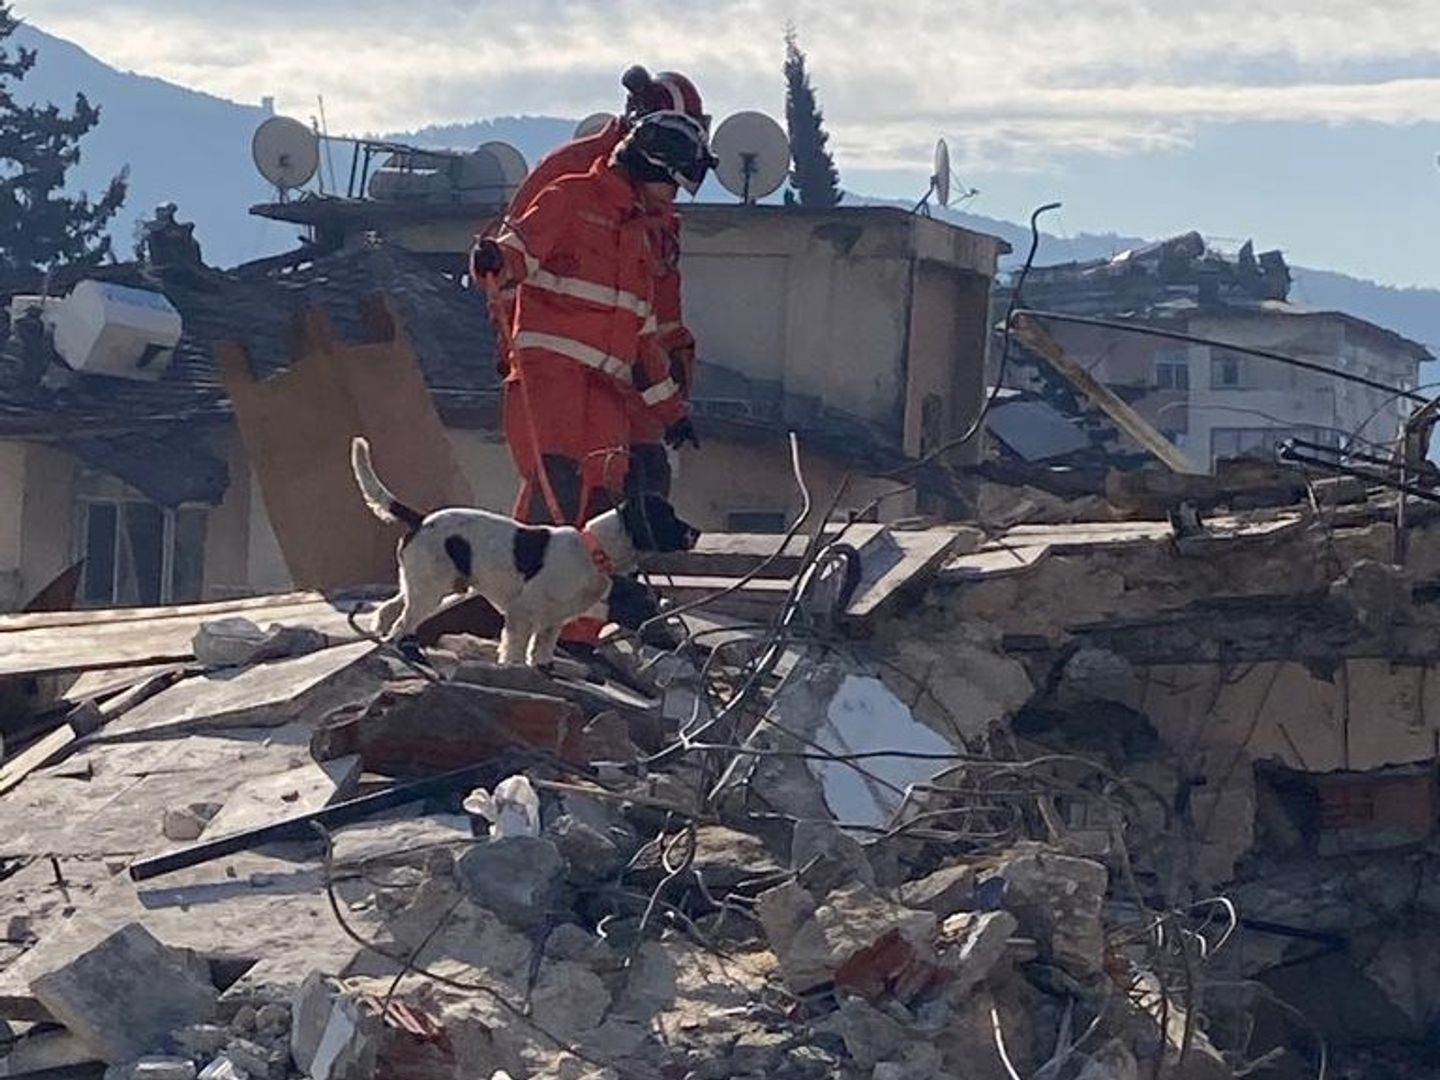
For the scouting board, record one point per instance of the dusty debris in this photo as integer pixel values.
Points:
(1081, 787)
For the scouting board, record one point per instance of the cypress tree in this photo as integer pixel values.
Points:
(813, 175)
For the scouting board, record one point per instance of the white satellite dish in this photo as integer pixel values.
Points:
(593, 124)
(940, 179)
(753, 154)
(286, 152)
(512, 163)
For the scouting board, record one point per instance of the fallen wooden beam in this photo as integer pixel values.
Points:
(82, 720)
(1035, 338)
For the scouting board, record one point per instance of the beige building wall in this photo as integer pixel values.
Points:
(869, 310)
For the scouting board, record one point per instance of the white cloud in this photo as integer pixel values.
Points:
(1013, 81)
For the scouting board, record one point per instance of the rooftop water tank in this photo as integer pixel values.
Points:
(106, 329)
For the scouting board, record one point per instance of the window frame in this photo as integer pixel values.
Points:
(169, 530)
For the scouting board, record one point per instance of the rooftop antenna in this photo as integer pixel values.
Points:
(286, 152)
(593, 124)
(753, 154)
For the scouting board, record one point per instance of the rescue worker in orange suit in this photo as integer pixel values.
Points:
(649, 467)
(585, 331)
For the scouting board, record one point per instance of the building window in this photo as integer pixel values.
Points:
(1172, 370)
(1227, 370)
(756, 521)
(138, 554)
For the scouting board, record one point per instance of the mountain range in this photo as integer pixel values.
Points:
(193, 149)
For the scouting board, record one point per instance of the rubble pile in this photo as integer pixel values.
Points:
(1099, 801)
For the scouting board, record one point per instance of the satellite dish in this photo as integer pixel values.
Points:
(512, 163)
(286, 152)
(593, 124)
(753, 153)
(940, 179)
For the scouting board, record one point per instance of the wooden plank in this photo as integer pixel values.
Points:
(921, 554)
(54, 746)
(9, 623)
(91, 641)
(733, 555)
(1035, 338)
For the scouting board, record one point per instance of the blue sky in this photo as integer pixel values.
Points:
(1311, 125)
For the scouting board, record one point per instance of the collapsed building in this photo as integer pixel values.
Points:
(1080, 800)
(1211, 401)
(1130, 774)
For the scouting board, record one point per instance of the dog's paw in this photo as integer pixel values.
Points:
(410, 648)
(547, 668)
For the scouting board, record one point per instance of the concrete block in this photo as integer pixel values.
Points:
(125, 996)
(518, 878)
(163, 1068)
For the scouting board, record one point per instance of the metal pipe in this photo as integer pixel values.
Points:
(300, 826)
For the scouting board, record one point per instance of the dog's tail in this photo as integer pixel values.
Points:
(382, 503)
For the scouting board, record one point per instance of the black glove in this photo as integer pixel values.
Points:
(678, 434)
(486, 258)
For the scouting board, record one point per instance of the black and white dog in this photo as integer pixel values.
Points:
(538, 576)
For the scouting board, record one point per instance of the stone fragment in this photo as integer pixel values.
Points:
(222, 1068)
(972, 944)
(201, 1040)
(257, 1060)
(126, 995)
(870, 1035)
(944, 892)
(272, 1019)
(782, 911)
(828, 858)
(245, 1020)
(183, 823)
(163, 1068)
(237, 642)
(590, 854)
(518, 878)
(1113, 1061)
(569, 999)
(860, 941)
(1057, 900)
(309, 1016)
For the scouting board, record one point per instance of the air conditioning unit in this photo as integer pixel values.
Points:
(106, 329)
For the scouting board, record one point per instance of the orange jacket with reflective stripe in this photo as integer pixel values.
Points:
(583, 257)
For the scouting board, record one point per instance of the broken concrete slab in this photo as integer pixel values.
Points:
(309, 786)
(417, 728)
(126, 996)
(265, 695)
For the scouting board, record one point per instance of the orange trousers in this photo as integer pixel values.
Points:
(580, 437)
